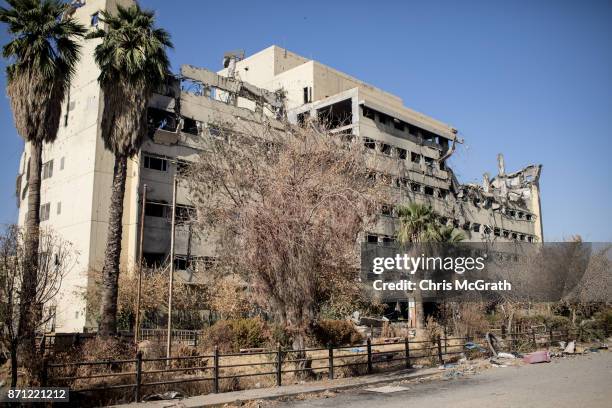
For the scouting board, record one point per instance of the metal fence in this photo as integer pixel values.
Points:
(212, 368)
(61, 342)
(278, 363)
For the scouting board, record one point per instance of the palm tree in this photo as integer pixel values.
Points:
(446, 234)
(42, 53)
(419, 224)
(133, 63)
(416, 221)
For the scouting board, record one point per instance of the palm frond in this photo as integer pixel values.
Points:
(133, 63)
(42, 53)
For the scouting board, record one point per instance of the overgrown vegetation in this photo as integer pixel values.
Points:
(288, 205)
(337, 333)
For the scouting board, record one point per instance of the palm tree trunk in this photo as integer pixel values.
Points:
(28, 307)
(110, 271)
(14, 364)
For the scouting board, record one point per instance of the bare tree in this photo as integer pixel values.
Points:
(56, 257)
(189, 298)
(286, 207)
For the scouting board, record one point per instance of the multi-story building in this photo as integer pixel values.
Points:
(409, 154)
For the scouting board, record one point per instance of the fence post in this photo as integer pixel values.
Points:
(533, 339)
(216, 370)
(279, 365)
(550, 335)
(369, 356)
(407, 350)
(138, 376)
(331, 361)
(440, 350)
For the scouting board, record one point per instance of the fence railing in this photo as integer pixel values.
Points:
(59, 342)
(148, 372)
(144, 372)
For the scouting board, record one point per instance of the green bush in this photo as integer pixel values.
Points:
(248, 333)
(558, 323)
(336, 333)
(596, 328)
(277, 334)
(605, 320)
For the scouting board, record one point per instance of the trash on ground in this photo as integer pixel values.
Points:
(473, 346)
(496, 363)
(570, 348)
(387, 389)
(537, 357)
(168, 395)
(505, 355)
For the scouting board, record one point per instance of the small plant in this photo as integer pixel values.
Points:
(232, 335)
(336, 333)
(388, 330)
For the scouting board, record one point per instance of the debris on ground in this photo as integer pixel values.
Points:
(328, 394)
(387, 389)
(249, 404)
(537, 357)
(168, 395)
(496, 363)
(473, 346)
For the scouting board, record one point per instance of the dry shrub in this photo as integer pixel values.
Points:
(353, 370)
(471, 320)
(154, 296)
(432, 331)
(336, 333)
(232, 335)
(229, 297)
(277, 334)
(388, 330)
(111, 348)
(96, 349)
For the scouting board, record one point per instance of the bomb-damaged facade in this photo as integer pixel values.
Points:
(409, 154)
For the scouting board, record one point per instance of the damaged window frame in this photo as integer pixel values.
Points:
(386, 210)
(149, 160)
(336, 115)
(156, 209)
(159, 119)
(385, 149)
(369, 143)
(190, 126)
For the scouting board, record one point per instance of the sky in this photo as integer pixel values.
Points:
(529, 79)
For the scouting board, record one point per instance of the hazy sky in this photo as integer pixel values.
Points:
(530, 79)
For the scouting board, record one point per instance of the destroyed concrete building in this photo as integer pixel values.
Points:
(409, 153)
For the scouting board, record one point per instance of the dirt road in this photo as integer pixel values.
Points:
(584, 381)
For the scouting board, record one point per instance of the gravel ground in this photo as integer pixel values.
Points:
(580, 381)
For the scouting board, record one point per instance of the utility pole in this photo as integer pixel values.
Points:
(171, 277)
(140, 249)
